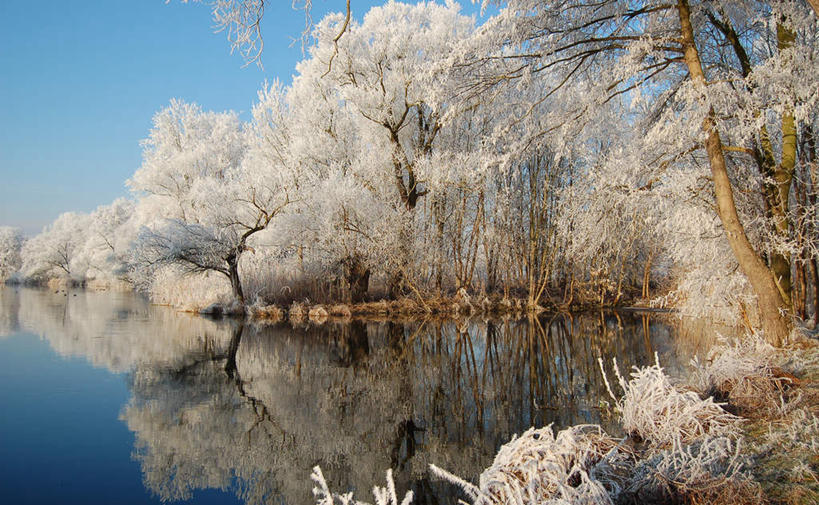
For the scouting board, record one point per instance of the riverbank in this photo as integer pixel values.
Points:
(416, 305)
(447, 307)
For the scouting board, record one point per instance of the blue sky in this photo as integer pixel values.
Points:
(80, 82)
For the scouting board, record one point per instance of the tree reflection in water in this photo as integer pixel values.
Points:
(251, 409)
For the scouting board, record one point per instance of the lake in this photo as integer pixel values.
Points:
(108, 399)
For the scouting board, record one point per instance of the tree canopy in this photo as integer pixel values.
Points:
(559, 152)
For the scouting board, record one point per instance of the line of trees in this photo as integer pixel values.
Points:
(561, 152)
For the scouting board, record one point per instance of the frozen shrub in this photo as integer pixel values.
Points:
(188, 292)
(707, 471)
(744, 374)
(270, 313)
(679, 449)
(318, 314)
(786, 456)
(691, 455)
(576, 466)
(656, 411)
(799, 432)
(341, 310)
(297, 312)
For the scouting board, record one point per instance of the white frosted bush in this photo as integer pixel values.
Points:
(692, 454)
(799, 432)
(541, 468)
(744, 373)
(733, 362)
(710, 470)
(709, 463)
(653, 409)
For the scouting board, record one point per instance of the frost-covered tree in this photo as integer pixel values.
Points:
(53, 252)
(562, 146)
(186, 145)
(105, 252)
(228, 185)
(11, 241)
(380, 69)
(719, 84)
(372, 89)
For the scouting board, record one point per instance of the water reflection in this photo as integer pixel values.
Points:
(250, 409)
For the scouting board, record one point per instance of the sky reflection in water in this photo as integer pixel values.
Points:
(123, 402)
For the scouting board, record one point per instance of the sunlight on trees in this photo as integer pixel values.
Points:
(559, 154)
(697, 81)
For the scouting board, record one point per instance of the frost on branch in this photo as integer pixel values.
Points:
(576, 466)
(383, 495)
(707, 471)
(241, 20)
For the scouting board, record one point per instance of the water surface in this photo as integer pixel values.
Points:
(107, 399)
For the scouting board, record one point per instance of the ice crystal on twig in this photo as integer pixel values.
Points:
(383, 495)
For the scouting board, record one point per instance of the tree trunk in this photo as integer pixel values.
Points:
(775, 324)
(647, 275)
(438, 208)
(814, 271)
(809, 151)
(235, 282)
(799, 297)
(395, 285)
(358, 278)
(783, 175)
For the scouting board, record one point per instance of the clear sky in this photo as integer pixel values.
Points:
(81, 80)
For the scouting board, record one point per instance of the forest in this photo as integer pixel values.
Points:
(556, 155)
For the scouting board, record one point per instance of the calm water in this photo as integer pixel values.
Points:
(106, 399)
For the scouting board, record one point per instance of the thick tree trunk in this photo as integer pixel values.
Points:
(775, 191)
(235, 281)
(358, 278)
(438, 212)
(783, 175)
(779, 176)
(775, 324)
